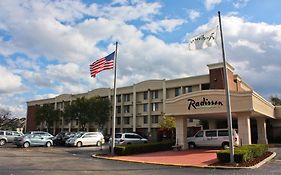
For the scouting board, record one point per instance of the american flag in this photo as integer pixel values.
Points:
(101, 64)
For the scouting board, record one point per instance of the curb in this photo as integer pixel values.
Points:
(187, 165)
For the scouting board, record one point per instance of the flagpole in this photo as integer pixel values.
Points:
(114, 103)
(228, 105)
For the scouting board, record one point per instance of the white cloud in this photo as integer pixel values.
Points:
(210, 4)
(193, 14)
(166, 25)
(9, 82)
(245, 43)
(240, 3)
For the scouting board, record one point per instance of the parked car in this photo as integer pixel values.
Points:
(86, 139)
(34, 138)
(127, 139)
(212, 138)
(8, 136)
(61, 137)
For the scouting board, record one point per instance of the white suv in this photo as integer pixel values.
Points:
(128, 138)
(85, 139)
(212, 138)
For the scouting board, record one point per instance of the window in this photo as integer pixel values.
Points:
(187, 89)
(132, 136)
(9, 133)
(199, 134)
(77, 121)
(118, 109)
(154, 94)
(127, 97)
(190, 120)
(145, 95)
(144, 107)
(60, 121)
(177, 91)
(154, 119)
(118, 120)
(126, 109)
(154, 106)
(118, 98)
(223, 133)
(145, 120)
(211, 133)
(1, 132)
(126, 120)
(205, 86)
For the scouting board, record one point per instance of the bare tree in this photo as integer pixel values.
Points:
(5, 115)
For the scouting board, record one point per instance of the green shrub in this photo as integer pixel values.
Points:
(243, 153)
(142, 148)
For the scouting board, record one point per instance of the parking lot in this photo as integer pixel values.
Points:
(72, 161)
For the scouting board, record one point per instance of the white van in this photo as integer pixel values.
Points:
(212, 138)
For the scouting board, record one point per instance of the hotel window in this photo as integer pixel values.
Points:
(187, 89)
(126, 109)
(177, 91)
(154, 119)
(154, 94)
(144, 107)
(145, 95)
(205, 86)
(118, 98)
(127, 97)
(118, 120)
(118, 109)
(126, 120)
(145, 120)
(154, 106)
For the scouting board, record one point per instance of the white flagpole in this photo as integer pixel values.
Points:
(228, 105)
(114, 104)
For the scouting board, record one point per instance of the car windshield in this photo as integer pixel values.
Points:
(118, 136)
(78, 135)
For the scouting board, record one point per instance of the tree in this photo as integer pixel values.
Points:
(275, 100)
(5, 116)
(168, 125)
(48, 114)
(99, 109)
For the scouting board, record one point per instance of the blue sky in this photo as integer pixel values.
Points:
(46, 46)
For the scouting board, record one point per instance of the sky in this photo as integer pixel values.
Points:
(46, 46)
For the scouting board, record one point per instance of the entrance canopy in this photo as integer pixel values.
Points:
(212, 104)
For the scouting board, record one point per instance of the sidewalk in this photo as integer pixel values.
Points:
(192, 158)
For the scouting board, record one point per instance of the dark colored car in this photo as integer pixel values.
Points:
(61, 137)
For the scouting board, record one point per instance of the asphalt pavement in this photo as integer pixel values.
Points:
(74, 161)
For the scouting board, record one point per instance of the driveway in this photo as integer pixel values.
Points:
(74, 161)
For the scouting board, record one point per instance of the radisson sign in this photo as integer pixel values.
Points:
(204, 103)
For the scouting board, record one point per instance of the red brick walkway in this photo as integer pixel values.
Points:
(195, 158)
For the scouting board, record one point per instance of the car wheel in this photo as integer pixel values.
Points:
(2, 142)
(79, 144)
(26, 144)
(98, 143)
(48, 144)
(225, 145)
(191, 145)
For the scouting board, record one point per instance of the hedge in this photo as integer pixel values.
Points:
(142, 148)
(243, 153)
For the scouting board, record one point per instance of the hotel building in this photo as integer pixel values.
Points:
(141, 107)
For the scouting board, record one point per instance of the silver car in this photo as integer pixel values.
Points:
(35, 138)
(8, 136)
(86, 139)
(128, 138)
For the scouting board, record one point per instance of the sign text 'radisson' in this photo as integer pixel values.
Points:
(203, 103)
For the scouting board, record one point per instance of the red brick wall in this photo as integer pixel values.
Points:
(30, 119)
(217, 79)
